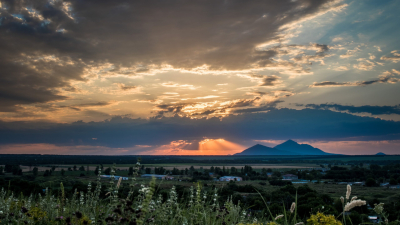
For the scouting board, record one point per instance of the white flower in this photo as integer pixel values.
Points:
(348, 192)
(278, 217)
(353, 204)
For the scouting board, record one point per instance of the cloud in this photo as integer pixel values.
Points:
(151, 35)
(181, 86)
(386, 77)
(270, 81)
(373, 110)
(364, 64)
(395, 57)
(276, 124)
(126, 88)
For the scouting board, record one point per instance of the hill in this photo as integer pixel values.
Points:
(380, 153)
(263, 150)
(300, 149)
(287, 148)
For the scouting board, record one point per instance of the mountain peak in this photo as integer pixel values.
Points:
(290, 141)
(259, 149)
(299, 149)
(380, 153)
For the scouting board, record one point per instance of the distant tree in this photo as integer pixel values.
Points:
(82, 175)
(1, 170)
(69, 169)
(75, 168)
(130, 171)
(8, 168)
(46, 173)
(107, 171)
(62, 172)
(35, 171)
(97, 170)
(234, 170)
(148, 170)
(370, 182)
(374, 167)
(16, 170)
(277, 174)
(82, 168)
(212, 169)
(322, 166)
(175, 171)
(53, 168)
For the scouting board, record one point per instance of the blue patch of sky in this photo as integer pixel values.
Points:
(19, 16)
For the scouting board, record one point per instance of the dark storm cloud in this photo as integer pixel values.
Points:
(80, 34)
(374, 110)
(276, 124)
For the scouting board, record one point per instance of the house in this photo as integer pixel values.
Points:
(230, 178)
(160, 177)
(373, 219)
(269, 174)
(115, 177)
(290, 177)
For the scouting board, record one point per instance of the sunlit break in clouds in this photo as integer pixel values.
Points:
(198, 77)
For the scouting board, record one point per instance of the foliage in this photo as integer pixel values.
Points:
(322, 219)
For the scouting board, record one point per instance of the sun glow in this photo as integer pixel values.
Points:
(206, 146)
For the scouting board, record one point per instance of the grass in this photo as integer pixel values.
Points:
(199, 206)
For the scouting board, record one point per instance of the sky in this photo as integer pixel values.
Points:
(198, 77)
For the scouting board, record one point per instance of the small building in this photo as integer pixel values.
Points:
(230, 178)
(373, 219)
(115, 177)
(160, 177)
(269, 174)
(290, 177)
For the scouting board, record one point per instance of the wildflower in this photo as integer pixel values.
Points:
(378, 208)
(353, 204)
(278, 217)
(353, 198)
(322, 219)
(342, 199)
(292, 207)
(348, 192)
(119, 182)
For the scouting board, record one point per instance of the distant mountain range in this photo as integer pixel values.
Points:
(380, 153)
(289, 147)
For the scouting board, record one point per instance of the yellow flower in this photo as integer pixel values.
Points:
(322, 219)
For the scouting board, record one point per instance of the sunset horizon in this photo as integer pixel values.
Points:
(198, 77)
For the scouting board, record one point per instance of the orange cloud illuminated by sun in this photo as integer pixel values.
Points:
(205, 147)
